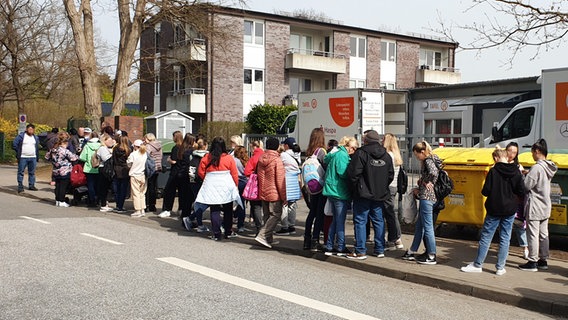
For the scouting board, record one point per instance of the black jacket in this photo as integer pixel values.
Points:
(503, 181)
(370, 173)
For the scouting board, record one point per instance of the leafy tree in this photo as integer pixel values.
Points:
(266, 118)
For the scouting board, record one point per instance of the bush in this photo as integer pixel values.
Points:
(224, 129)
(267, 118)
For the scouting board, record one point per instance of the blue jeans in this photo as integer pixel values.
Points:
(22, 164)
(92, 187)
(121, 190)
(505, 224)
(424, 228)
(521, 235)
(362, 210)
(198, 209)
(337, 228)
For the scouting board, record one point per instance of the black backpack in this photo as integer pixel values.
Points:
(444, 185)
(401, 181)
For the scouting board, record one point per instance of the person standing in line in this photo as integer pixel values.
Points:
(62, 161)
(316, 146)
(89, 149)
(137, 163)
(219, 189)
(503, 184)
(104, 153)
(182, 181)
(272, 191)
(26, 145)
(519, 226)
(154, 149)
(425, 193)
(370, 173)
(120, 154)
(241, 159)
(195, 220)
(250, 168)
(538, 207)
(292, 167)
(171, 187)
(236, 141)
(391, 217)
(338, 193)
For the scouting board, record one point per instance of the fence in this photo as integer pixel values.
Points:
(249, 138)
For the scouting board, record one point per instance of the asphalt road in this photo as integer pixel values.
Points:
(72, 263)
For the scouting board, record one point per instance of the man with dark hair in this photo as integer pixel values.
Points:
(370, 173)
(26, 145)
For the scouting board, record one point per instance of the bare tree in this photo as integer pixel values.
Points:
(81, 19)
(515, 25)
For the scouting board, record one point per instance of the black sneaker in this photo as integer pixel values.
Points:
(282, 232)
(541, 264)
(152, 208)
(20, 190)
(408, 256)
(291, 230)
(343, 252)
(425, 258)
(529, 266)
(32, 188)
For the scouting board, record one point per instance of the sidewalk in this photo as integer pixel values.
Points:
(543, 291)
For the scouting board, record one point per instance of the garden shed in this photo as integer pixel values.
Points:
(164, 123)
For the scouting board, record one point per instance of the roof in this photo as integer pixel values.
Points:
(162, 114)
(486, 99)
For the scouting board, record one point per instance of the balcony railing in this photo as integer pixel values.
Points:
(314, 60)
(186, 42)
(190, 100)
(437, 75)
(438, 68)
(317, 53)
(189, 49)
(186, 91)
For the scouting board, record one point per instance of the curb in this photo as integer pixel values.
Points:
(557, 308)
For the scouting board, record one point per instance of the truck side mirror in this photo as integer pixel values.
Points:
(496, 135)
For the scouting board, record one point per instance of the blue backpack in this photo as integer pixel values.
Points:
(312, 174)
(150, 167)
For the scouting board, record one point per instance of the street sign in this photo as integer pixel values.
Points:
(22, 119)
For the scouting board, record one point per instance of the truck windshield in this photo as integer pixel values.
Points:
(290, 124)
(519, 124)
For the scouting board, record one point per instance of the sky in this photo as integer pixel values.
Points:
(416, 16)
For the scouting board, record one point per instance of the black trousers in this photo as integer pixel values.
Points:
(61, 186)
(181, 185)
(152, 191)
(103, 185)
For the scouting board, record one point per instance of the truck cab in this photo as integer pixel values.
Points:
(521, 125)
(289, 126)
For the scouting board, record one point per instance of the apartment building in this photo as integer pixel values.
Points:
(267, 57)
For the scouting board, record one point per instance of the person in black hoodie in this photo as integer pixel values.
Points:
(370, 173)
(502, 183)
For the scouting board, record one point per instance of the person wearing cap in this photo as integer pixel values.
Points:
(137, 163)
(370, 173)
(89, 149)
(291, 162)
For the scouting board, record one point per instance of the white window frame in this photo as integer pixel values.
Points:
(254, 85)
(305, 43)
(385, 49)
(357, 83)
(431, 62)
(388, 85)
(253, 38)
(358, 42)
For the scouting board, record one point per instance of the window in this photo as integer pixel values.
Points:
(179, 79)
(255, 84)
(300, 85)
(431, 59)
(179, 34)
(440, 127)
(301, 43)
(518, 125)
(388, 51)
(357, 83)
(358, 47)
(157, 85)
(387, 85)
(254, 32)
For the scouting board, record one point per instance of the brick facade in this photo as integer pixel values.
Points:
(373, 62)
(341, 46)
(226, 77)
(407, 59)
(133, 125)
(276, 81)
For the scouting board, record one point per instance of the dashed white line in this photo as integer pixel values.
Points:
(100, 238)
(34, 219)
(281, 294)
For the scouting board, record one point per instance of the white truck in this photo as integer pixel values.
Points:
(348, 112)
(540, 118)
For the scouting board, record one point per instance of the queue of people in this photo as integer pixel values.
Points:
(358, 178)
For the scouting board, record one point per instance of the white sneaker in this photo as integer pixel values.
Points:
(500, 272)
(105, 209)
(263, 242)
(138, 214)
(63, 204)
(164, 214)
(57, 203)
(471, 268)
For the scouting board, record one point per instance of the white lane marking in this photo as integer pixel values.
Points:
(100, 238)
(281, 294)
(34, 219)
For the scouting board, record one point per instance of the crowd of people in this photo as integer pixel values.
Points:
(362, 179)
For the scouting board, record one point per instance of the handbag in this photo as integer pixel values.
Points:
(409, 208)
(251, 189)
(78, 177)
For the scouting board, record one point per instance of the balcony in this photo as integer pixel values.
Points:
(443, 75)
(312, 60)
(190, 100)
(189, 49)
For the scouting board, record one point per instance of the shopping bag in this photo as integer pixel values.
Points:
(293, 192)
(251, 189)
(409, 208)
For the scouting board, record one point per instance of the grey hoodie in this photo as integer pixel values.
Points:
(537, 183)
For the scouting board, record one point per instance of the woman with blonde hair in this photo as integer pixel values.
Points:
(430, 164)
(391, 218)
(137, 163)
(315, 217)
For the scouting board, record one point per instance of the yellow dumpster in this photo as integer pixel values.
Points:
(468, 169)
